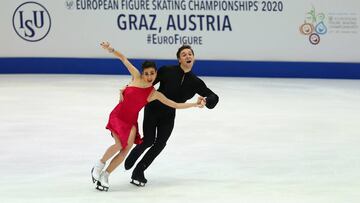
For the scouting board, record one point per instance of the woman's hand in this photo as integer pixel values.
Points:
(121, 94)
(106, 45)
(201, 102)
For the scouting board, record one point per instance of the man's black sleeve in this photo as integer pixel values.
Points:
(211, 98)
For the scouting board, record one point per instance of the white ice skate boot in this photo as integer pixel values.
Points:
(96, 170)
(103, 182)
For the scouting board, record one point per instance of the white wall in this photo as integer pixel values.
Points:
(254, 35)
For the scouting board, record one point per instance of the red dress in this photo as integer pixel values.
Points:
(125, 114)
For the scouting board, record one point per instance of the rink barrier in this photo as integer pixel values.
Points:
(202, 67)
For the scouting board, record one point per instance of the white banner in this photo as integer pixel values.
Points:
(283, 30)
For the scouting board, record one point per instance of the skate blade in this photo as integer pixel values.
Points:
(101, 188)
(93, 179)
(137, 183)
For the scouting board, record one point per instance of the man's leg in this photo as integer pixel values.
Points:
(165, 128)
(149, 129)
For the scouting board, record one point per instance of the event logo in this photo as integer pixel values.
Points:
(314, 26)
(70, 4)
(31, 21)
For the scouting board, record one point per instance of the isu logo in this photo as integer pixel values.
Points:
(31, 21)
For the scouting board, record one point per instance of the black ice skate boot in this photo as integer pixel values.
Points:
(138, 177)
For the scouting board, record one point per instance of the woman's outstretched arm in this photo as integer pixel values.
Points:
(133, 71)
(163, 99)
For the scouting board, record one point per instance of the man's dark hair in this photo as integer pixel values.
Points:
(148, 64)
(185, 46)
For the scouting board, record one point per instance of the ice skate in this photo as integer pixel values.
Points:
(137, 183)
(138, 178)
(96, 170)
(103, 182)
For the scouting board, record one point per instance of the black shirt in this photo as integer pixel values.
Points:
(179, 86)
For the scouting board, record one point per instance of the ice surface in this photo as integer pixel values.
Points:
(268, 140)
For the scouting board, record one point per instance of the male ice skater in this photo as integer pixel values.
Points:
(179, 84)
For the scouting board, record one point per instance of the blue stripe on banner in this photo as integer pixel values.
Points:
(201, 67)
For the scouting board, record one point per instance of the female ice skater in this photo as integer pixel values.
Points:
(123, 119)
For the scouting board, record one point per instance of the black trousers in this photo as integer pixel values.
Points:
(157, 128)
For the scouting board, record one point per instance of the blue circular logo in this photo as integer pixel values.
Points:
(31, 21)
